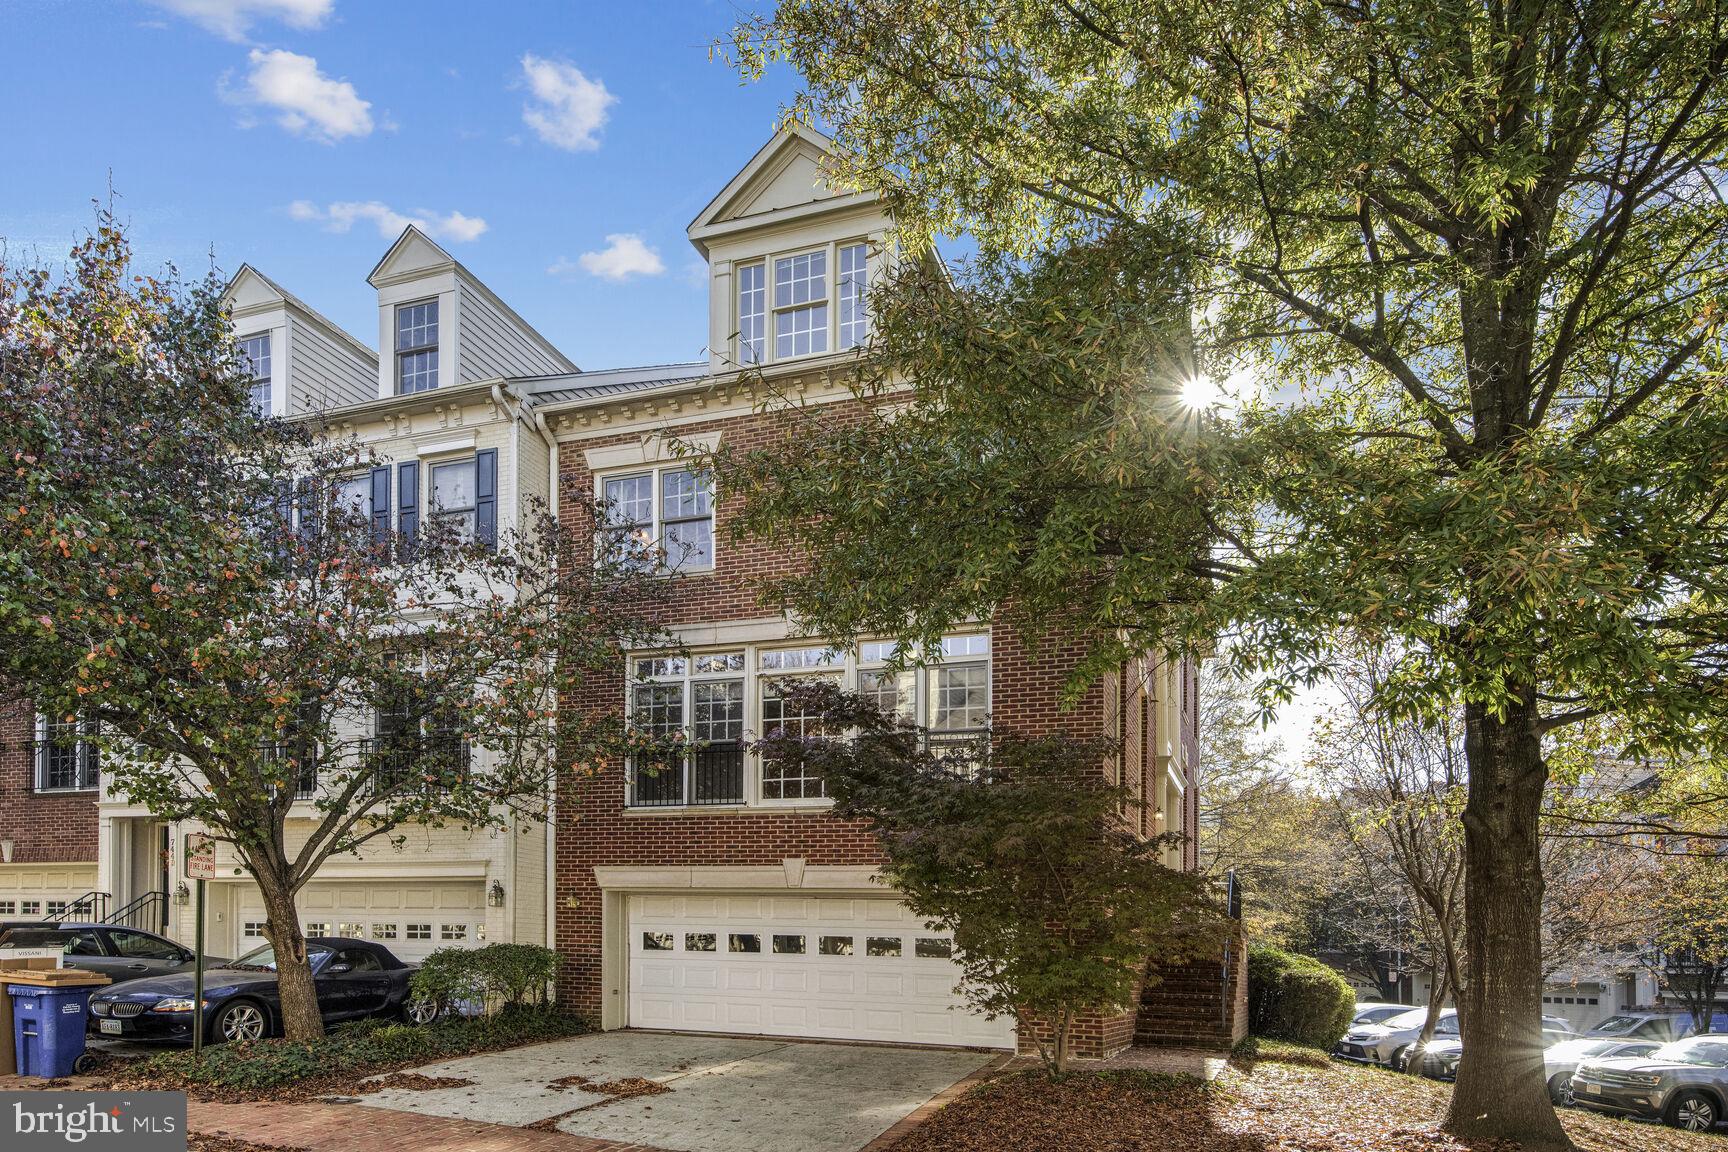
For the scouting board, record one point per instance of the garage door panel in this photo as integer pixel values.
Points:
(842, 968)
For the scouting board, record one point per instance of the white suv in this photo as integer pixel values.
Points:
(1386, 1042)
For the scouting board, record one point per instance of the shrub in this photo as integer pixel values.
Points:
(496, 976)
(344, 1056)
(1297, 998)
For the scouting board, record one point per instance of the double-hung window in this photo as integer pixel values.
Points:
(661, 518)
(255, 359)
(416, 347)
(752, 314)
(689, 714)
(812, 301)
(853, 288)
(781, 672)
(801, 304)
(66, 760)
(957, 702)
(453, 494)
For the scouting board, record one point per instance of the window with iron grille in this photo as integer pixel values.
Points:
(66, 759)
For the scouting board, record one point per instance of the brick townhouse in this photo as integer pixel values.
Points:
(720, 896)
(48, 796)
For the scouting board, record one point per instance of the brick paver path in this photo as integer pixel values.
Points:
(348, 1128)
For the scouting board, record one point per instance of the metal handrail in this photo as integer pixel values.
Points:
(93, 905)
(151, 908)
(710, 775)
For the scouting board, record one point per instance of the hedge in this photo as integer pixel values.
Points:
(1297, 998)
(496, 976)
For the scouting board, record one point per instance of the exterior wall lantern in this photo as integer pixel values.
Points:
(495, 895)
(182, 894)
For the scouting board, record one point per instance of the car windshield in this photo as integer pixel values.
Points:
(1415, 1017)
(1709, 1051)
(1618, 1025)
(265, 958)
(1587, 1047)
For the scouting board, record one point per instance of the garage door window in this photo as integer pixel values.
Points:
(656, 941)
(789, 945)
(882, 946)
(933, 948)
(836, 946)
(743, 942)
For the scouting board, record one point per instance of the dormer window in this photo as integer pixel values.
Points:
(255, 359)
(812, 309)
(801, 304)
(416, 347)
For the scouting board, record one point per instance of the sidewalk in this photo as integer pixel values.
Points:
(350, 1128)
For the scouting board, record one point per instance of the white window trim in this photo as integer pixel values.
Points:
(655, 469)
(848, 666)
(766, 263)
(396, 352)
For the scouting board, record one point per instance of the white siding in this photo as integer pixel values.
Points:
(324, 372)
(492, 343)
(528, 900)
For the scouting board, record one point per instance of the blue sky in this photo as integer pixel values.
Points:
(557, 149)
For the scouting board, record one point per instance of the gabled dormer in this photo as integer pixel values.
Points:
(790, 258)
(439, 326)
(300, 362)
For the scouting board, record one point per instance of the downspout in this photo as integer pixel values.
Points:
(552, 801)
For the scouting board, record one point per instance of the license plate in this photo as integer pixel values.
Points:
(110, 1027)
(1593, 1089)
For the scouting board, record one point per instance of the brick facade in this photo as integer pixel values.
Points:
(595, 829)
(53, 827)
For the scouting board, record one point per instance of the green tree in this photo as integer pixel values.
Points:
(1690, 939)
(1477, 252)
(200, 588)
(1017, 846)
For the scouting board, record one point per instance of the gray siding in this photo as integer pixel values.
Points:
(492, 343)
(325, 373)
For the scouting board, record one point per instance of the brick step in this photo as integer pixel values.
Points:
(1184, 1040)
(1153, 1019)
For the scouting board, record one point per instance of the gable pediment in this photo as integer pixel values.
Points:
(783, 180)
(252, 291)
(412, 254)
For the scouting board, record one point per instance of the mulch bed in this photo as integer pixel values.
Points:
(1270, 1106)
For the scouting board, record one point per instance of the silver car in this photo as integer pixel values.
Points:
(1684, 1084)
(1389, 1042)
(1561, 1060)
(1376, 1011)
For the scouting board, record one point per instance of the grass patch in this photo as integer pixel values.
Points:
(1262, 1049)
(337, 1063)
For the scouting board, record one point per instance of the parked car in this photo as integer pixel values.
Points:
(1655, 1024)
(1388, 1042)
(1684, 1084)
(1561, 1060)
(1374, 1011)
(1441, 1055)
(354, 978)
(116, 952)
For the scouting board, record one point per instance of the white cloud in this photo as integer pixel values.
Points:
(233, 19)
(307, 102)
(624, 256)
(568, 109)
(342, 215)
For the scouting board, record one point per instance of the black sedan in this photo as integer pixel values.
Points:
(114, 951)
(354, 978)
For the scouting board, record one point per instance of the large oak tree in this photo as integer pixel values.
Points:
(1474, 251)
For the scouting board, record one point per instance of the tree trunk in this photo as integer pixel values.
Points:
(1439, 987)
(299, 996)
(1501, 1093)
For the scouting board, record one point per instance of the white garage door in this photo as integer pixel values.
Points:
(845, 969)
(412, 920)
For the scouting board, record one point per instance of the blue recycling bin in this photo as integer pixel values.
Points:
(48, 1027)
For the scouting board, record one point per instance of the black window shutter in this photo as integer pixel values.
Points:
(308, 509)
(381, 509)
(284, 524)
(408, 503)
(486, 497)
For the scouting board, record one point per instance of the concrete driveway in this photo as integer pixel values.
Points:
(715, 1093)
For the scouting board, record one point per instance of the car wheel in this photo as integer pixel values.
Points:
(420, 1012)
(241, 1020)
(1399, 1056)
(1693, 1111)
(1560, 1089)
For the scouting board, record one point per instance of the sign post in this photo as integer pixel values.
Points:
(200, 857)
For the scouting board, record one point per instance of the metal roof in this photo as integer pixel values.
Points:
(579, 386)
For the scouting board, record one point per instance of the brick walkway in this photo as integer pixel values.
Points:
(348, 1128)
